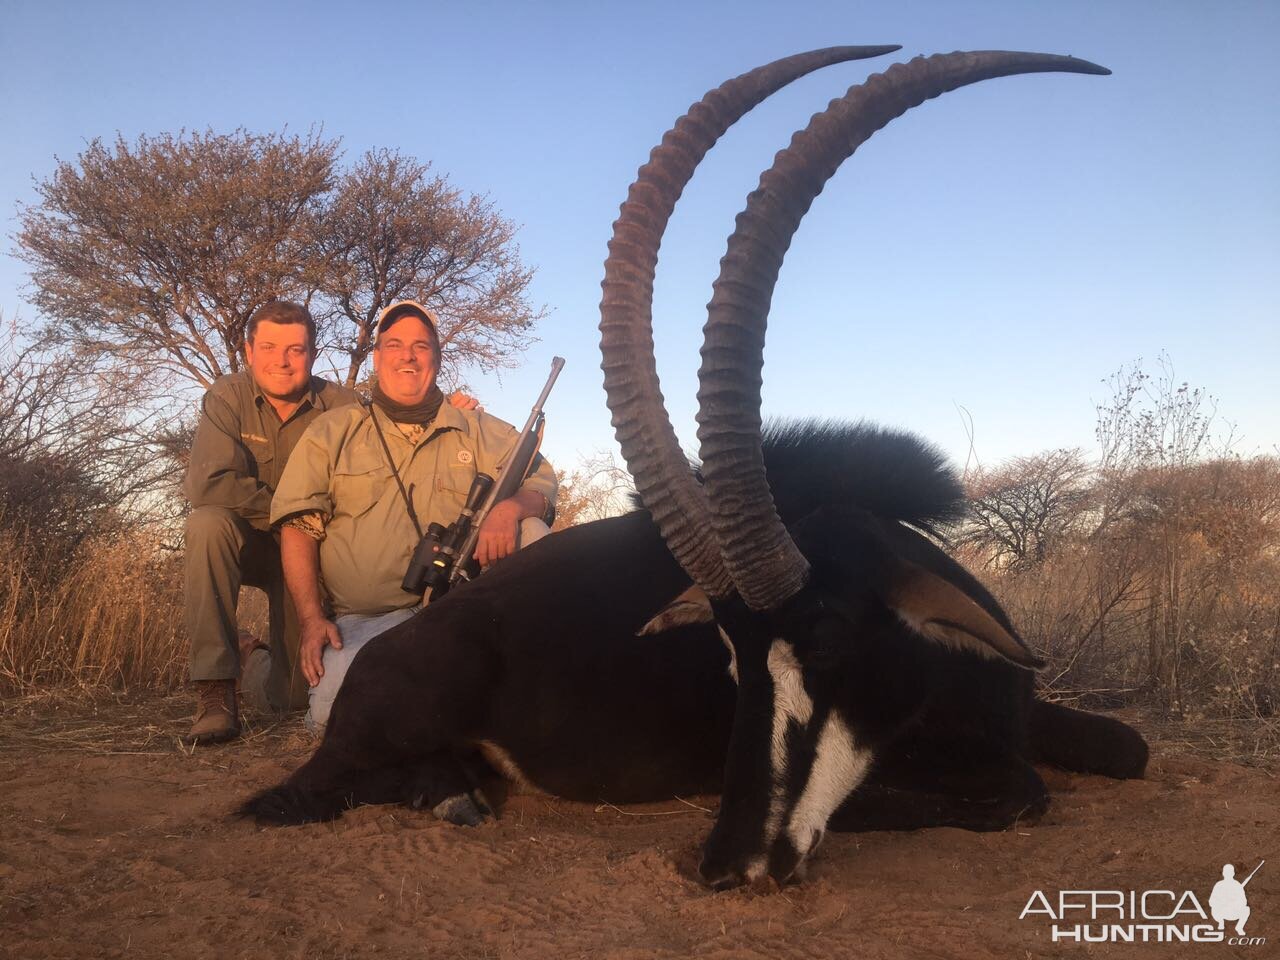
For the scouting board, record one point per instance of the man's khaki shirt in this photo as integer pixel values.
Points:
(340, 471)
(241, 447)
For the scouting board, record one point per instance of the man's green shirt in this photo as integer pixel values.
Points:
(241, 447)
(339, 470)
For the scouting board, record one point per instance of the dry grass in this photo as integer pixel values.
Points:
(112, 617)
(1252, 742)
(101, 722)
(1215, 654)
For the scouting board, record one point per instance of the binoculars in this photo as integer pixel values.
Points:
(436, 556)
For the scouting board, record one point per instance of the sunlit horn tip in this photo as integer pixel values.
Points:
(1024, 62)
(1084, 66)
(866, 52)
(1065, 64)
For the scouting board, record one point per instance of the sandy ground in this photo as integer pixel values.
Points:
(115, 842)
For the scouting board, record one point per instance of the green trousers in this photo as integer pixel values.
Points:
(223, 553)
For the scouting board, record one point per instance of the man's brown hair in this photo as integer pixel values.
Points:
(282, 311)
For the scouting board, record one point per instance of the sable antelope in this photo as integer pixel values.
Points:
(800, 745)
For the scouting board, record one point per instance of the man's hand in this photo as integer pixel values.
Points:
(498, 532)
(316, 635)
(300, 558)
(463, 402)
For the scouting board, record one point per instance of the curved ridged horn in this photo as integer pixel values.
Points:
(764, 563)
(640, 422)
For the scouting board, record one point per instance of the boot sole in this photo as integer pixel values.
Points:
(208, 739)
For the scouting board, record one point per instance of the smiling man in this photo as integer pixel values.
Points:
(249, 424)
(364, 481)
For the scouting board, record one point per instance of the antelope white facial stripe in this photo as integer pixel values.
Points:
(838, 768)
(791, 702)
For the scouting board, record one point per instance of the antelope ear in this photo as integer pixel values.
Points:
(692, 606)
(942, 612)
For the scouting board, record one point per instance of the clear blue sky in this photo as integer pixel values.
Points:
(1003, 248)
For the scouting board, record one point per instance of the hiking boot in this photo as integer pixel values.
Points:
(217, 718)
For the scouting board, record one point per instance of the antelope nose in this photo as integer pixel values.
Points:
(719, 877)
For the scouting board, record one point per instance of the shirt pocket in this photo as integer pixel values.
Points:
(261, 455)
(358, 487)
(455, 472)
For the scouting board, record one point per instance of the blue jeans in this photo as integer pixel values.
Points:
(356, 629)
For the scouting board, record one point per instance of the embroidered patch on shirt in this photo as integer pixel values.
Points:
(252, 438)
(464, 456)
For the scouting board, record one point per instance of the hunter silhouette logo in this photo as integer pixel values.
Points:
(1228, 900)
(1149, 916)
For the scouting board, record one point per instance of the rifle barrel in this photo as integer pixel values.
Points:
(1250, 876)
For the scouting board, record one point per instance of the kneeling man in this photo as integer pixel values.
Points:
(249, 424)
(364, 480)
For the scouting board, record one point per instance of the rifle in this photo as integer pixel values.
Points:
(1251, 873)
(444, 553)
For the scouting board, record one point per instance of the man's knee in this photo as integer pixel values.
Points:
(212, 525)
(531, 529)
(356, 631)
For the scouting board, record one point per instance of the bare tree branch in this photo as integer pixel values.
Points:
(394, 232)
(155, 253)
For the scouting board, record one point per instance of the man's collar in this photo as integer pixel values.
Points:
(448, 417)
(314, 386)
